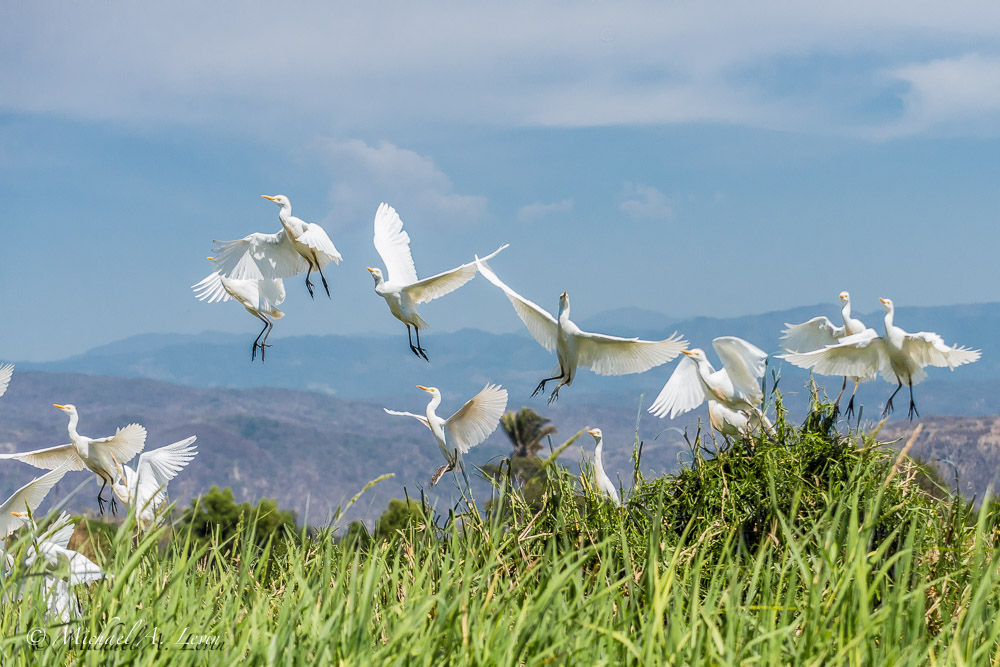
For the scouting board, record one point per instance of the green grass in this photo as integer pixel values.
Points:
(812, 549)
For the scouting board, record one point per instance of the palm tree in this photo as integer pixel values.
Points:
(526, 430)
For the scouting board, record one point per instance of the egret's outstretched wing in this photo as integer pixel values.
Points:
(259, 256)
(49, 458)
(271, 294)
(27, 498)
(861, 355)
(393, 246)
(211, 289)
(682, 392)
(431, 288)
(124, 444)
(419, 418)
(611, 355)
(542, 326)
(812, 335)
(60, 532)
(5, 372)
(477, 419)
(82, 570)
(157, 467)
(316, 238)
(929, 349)
(744, 363)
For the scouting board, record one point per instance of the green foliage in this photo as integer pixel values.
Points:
(526, 429)
(216, 514)
(401, 517)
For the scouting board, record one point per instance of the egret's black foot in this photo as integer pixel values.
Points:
(327, 288)
(539, 388)
(441, 472)
(888, 408)
(912, 411)
(415, 351)
(836, 410)
(309, 286)
(850, 409)
(422, 353)
(554, 396)
(114, 505)
(100, 504)
(253, 353)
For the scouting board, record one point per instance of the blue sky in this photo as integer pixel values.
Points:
(693, 159)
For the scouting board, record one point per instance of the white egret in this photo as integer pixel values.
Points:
(96, 454)
(299, 246)
(604, 482)
(819, 332)
(27, 499)
(145, 488)
(261, 299)
(399, 285)
(605, 355)
(465, 429)
(898, 356)
(5, 372)
(52, 546)
(735, 387)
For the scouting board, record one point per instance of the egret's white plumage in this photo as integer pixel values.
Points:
(299, 246)
(399, 286)
(145, 488)
(465, 429)
(27, 499)
(96, 454)
(735, 387)
(604, 482)
(5, 373)
(819, 332)
(898, 356)
(52, 546)
(605, 355)
(260, 297)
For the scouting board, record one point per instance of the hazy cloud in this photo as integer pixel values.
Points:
(536, 210)
(645, 202)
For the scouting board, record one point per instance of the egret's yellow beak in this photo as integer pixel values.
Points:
(420, 386)
(592, 431)
(370, 269)
(209, 258)
(19, 515)
(563, 295)
(882, 300)
(269, 197)
(61, 407)
(687, 352)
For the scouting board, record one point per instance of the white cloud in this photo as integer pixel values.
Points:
(645, 202)
(365, 175)
(536, 210)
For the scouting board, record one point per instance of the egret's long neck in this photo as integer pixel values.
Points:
(888, 319)
(433, 406)
(846, 312)
(598, 453)
(74, 419)
(563, 311)
(285, 212)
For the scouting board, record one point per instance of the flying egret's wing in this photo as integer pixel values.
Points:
(477, 419)
(60, 531)
(682, 392)
(27, 498)
(157, 467)
(211, 289)
(259, 256)
(611, 355)
(316, 238)
(929, 349)
(541, 325)
(271, 294)
(812, 335)
(861, 355)
(393, 246)
(124, 444)
(49, 458)
(419, 418)
(5, 372)
(431, 288)
(744, 363)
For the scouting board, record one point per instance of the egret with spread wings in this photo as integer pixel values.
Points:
(97, 454)
(898, 356)
(604, 482)
(26, 500)
(465, 429)
(261, 299)
(605, 355)
(399, 285)
(145, 488)
(735, 387)
(299, 246)
(819, 332)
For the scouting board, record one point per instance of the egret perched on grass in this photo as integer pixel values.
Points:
(260, 297)
(399, 286)
(898, 356)
(736, 387)
(299, 246)
(27, 499)
(604, 482)
(819, 332)
(97, 454)
(605, 355)
(145, 488)
(5, 372)
(465, 429)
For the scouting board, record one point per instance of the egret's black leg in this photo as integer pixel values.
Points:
(836, 403)
(409, 337)
(268, 326)
(320, 269)
(309, 285)
(555, 394)
(541, 385)
(850, 404)
(100, 497)
(420, 349)
(913, 408)
(114, 504)
(888, 404)
(256, 341)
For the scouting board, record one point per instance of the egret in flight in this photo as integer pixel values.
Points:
(819, 332)
(399, 286)
(260, 297)
(604, 482)
(5, 372)
(465, 429)
(898, 356)
(605, 355)
(145, 488)
(99, 455)
(26, 500)
(299, 246)
(736, 387)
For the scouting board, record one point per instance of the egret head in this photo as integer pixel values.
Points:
(596, 432)
(697, 354)
(69, 408)
(563, 302)
(886, 304)
(22, 516)
(280, 200)
(376, 274)
(433, 391)
(845, 297)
